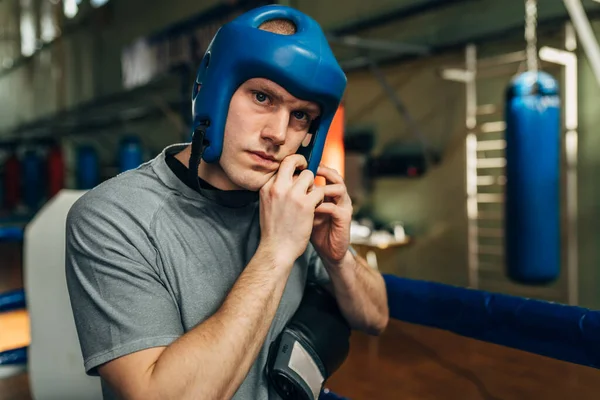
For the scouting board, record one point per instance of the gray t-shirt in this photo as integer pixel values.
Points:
(148, 258)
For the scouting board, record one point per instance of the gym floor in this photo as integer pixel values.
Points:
(409, 362)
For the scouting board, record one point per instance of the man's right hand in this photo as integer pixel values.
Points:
(287, 209)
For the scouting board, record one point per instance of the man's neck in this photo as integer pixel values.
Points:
(213, 174)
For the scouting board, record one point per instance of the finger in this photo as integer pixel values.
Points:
(330, 174)
(336, 192)
(304, 181)
(327, 209)
(288, 167)
(316, 196)
(266, 187)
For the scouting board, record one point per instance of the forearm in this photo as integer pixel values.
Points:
(212, 360)
(361, 294)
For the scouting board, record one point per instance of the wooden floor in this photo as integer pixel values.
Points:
(411, 362)
(415, 362)
(11, 273)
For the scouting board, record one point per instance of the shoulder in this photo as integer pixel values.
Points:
(134, 197)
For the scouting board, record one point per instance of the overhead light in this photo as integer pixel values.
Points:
(70, 8)
(98, 3)
(27, 28)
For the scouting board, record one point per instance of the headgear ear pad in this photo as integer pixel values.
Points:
(302, 63)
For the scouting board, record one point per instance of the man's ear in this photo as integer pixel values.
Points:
(307, 139)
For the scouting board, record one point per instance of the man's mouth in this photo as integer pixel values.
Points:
(264, 159)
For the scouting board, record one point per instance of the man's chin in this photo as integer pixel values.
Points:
(255, 181)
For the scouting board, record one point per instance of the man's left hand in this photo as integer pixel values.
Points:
(331, 227)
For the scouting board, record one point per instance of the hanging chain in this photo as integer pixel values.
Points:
(531, 34)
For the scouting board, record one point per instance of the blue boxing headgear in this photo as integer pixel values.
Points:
(302, 63)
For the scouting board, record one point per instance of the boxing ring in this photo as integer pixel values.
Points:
(12, 360)
(12, 300)
(559, 331)
(563, 332)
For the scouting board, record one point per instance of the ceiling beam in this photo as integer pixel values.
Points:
(389, 46)
(398, 14)
(555, 22)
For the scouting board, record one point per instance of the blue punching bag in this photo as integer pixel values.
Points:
(33, 185)
(131, 154)
(88, 174)
(532, 206)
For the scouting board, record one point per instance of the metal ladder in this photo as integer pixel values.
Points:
(485, 179)
(485, 188)
(485, 199)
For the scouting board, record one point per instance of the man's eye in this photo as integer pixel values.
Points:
(261, 97)
(300, 115)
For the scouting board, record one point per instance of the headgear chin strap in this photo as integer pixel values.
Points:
(302, 63)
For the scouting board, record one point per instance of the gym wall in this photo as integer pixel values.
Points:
(433, 206)
(86, 64)
(437, 106)
(588, 170)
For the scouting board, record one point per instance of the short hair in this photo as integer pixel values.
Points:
(280, 26)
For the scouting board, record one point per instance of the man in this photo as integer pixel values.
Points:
(179, 286)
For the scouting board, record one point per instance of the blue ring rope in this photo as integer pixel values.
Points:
(559, 331)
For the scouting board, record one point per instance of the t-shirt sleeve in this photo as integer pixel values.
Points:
(119, 301)
(316, 270)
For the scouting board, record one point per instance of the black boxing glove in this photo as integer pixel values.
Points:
(310, 348)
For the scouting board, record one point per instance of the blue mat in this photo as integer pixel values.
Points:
(11, 233)
(12, 300)
(14, 357)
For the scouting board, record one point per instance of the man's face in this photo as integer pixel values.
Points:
(265, 124)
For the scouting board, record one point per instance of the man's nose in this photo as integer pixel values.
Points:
(275, 129)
